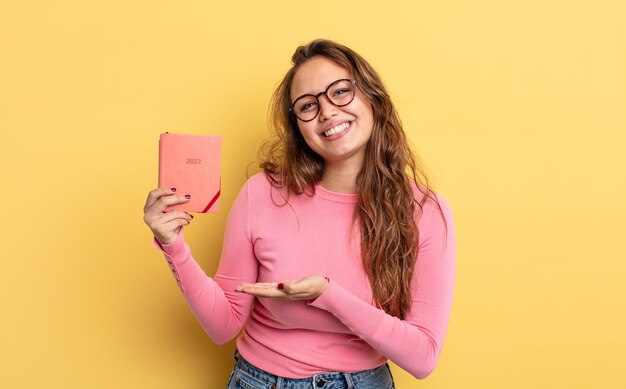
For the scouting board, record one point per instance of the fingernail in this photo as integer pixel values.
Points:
(173, 189)
(190, 215)
(281, 286)
(187, 196)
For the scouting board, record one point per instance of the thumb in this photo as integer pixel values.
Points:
(291, 286)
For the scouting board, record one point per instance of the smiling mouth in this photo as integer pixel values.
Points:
(338, 129)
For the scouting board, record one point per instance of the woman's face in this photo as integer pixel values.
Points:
(337, 134)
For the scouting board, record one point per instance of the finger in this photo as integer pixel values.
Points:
(266, 284)
(173, 215)
(258, 285)
(288, 297)
(156, 221)
(164, 202)
(155, 194)
(263, 292)
(295, 287)
(173, 225)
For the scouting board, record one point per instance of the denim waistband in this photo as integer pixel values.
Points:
(318, 380)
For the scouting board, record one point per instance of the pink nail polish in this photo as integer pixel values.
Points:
(187, 196)
(173, 189)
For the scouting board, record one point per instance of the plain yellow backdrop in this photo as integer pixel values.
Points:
(517, 109)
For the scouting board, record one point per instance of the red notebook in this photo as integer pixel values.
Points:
(191, 164)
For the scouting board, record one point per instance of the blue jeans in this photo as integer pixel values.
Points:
(247, 376)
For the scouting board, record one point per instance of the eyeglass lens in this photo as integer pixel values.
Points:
(339, 93)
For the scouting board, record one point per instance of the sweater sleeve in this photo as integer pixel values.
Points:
(414, 343)
(220, 310)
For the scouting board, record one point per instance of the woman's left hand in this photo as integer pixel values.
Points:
(307, 288)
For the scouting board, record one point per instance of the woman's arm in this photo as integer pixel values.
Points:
(220, 310)
(414, 343)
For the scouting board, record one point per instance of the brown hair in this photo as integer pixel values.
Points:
(387, 205)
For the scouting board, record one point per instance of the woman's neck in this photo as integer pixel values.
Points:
(340, 179)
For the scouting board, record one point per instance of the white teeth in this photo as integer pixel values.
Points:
(337, 129)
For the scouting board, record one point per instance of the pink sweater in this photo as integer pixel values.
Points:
(341, 330)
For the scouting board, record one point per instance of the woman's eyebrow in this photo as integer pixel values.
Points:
(302, 94)
(322, 90)
(305, 93)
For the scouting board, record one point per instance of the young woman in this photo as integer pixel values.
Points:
(338, 256)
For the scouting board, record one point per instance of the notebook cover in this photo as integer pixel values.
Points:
(191, 164)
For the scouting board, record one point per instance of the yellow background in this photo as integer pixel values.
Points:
(516, 107)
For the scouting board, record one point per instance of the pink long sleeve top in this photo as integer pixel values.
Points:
(341, 330)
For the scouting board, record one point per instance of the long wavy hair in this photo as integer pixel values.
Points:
(387, 208)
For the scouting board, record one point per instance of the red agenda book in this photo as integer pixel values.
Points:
(191, 164)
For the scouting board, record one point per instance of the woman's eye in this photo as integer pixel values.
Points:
(307, 106)
(340, 92)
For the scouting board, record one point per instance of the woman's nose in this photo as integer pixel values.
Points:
(327, 109)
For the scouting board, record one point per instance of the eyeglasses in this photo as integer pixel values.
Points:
(340, 93)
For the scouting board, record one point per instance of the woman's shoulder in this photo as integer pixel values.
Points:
(429, 200)
(257, 179)
(260, 186)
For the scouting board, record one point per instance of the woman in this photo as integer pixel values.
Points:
(334, 258)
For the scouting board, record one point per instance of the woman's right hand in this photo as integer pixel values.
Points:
(164, 225)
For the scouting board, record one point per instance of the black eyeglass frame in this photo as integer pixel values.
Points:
(325, 93)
